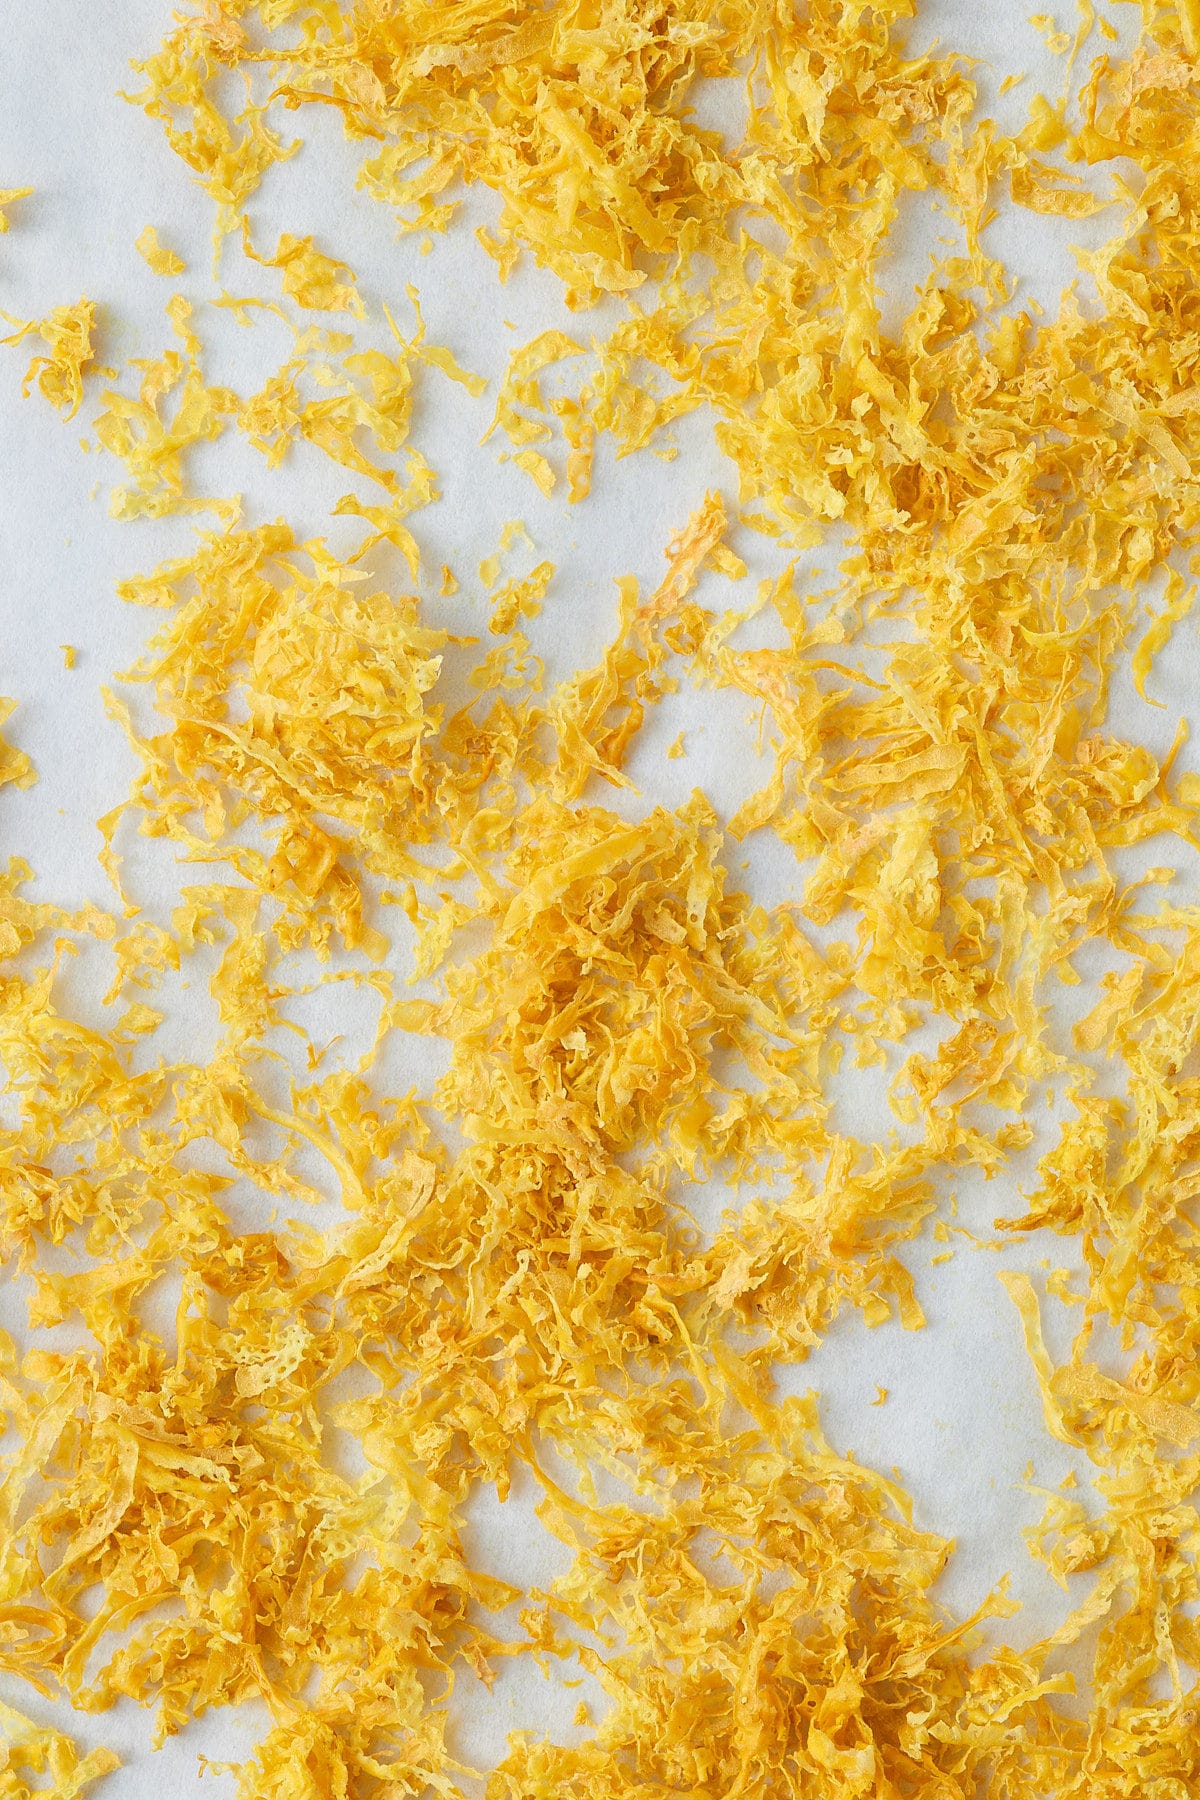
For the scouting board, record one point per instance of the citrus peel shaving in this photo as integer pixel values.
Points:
(514, 1270)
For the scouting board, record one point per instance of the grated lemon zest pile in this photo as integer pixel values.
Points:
(513, 1274)
(30, 1750)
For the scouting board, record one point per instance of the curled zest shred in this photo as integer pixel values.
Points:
(15, 766)
(152, 431)
(514, 1275)
(313, 280)
(156, 255)
(8, 197)
(67, 334)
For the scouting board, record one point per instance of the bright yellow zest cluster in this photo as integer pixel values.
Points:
(515, 1276)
